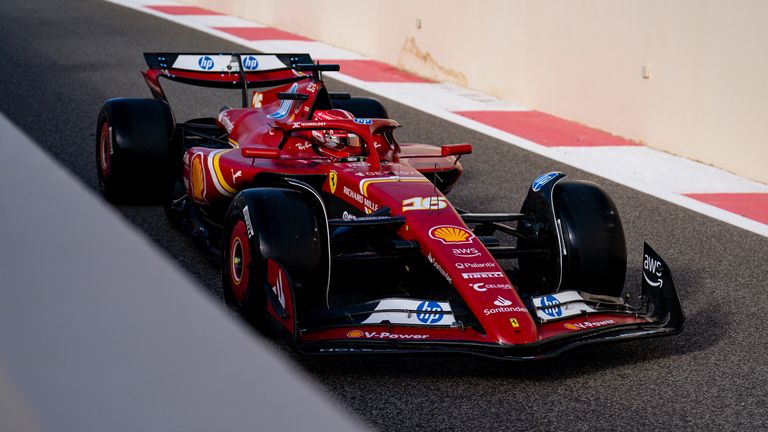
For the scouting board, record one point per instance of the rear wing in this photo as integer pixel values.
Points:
(227, 70)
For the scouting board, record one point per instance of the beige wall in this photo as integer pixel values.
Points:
(706, 99)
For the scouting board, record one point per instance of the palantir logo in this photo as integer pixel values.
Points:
(205, 63)
(551, 306)
(430, 312)
(250, 63)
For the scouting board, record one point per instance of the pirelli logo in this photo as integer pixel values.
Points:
(482, 275)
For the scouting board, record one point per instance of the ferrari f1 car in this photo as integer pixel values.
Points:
(341, 238)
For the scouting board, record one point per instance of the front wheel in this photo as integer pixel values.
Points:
(595, 258)
(244, 269)
(287, 224)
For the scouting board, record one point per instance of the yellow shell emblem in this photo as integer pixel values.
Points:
(355, 334)
(197, 183)
(451, 234)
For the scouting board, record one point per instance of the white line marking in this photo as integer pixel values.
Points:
(317, 50)
(221, 21)
(556, 153)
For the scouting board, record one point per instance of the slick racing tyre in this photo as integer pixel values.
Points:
(362, 107)
(134, 151)
(283, 224)
(596, 255)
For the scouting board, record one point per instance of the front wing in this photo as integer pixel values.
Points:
(585, 320)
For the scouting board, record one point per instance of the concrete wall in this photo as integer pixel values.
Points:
(101, 331)
(579, 59)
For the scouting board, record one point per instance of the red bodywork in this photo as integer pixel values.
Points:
(274, 136)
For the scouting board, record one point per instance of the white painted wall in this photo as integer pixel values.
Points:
(578, 59)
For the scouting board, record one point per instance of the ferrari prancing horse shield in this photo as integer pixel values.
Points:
(333, 181)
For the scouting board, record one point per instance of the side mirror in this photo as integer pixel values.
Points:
(260, 152)
(455, 149)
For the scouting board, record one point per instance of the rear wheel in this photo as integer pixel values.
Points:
(595, 259)
(134, 150)
(362, 107)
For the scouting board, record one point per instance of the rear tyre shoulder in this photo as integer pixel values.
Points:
(134, 150)
(362, 107)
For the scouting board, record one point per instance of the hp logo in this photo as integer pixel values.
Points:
(551, 306)
(250, 63)
(428, 312)
(205, 63)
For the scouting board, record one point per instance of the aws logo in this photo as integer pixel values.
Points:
(655, 269)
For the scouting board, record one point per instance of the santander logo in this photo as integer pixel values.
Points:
(504, 305)
(501, 301)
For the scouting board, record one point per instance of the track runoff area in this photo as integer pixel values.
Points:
(702, 188)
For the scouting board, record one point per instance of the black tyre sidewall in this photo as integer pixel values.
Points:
(596, 257)
(253, 307)
(362, 107)
(141, 158)
(106, 184)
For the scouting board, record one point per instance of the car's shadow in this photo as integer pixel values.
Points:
(704, 328)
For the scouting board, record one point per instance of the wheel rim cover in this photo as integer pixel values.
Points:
(238, 261)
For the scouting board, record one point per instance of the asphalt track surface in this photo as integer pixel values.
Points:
(60, 59)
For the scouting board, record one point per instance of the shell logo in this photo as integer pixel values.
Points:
(197, 177)
(355, 334)
(449, 234)
(571, 327)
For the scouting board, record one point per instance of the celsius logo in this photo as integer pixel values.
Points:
(482, 287)
(250, 63)
(205, 63)
(430, 312)
(551, 306)
(542, 180)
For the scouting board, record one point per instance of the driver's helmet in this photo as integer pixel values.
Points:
(335, 139)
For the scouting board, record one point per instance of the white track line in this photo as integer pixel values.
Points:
(317, 50)
(220, 21)
(620, 167)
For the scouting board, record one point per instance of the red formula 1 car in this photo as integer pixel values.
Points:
(334, 233)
